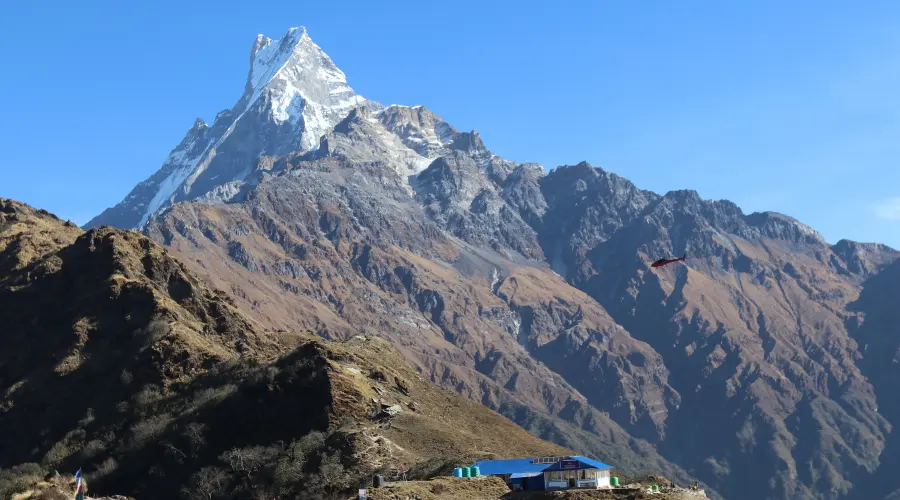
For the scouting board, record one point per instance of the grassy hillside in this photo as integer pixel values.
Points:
(129, 366)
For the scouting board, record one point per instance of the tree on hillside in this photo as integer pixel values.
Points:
(206, 484)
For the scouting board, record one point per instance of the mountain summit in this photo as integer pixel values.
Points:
(295, 101)
(294, 94)
(299, 86)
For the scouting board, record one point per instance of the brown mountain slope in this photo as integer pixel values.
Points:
(753, 329)
(127, 365)
(754, 332)
(301, 252)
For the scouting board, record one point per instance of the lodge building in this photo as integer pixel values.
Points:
(549, 473)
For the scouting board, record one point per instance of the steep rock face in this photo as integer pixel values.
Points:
(463, 192)
(753, 328)
(585, 206)
(522, 192)
(420, 129)
(361, 139)
(855, 259)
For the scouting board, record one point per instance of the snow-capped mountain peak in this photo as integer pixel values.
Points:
(268, 56)
(295, 101)
(293, 73)
(294, 95)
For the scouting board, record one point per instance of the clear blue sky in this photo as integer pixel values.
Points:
(786, 106)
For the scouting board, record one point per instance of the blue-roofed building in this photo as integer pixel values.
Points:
(519, 473)
(577, 472)
(548, 473)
